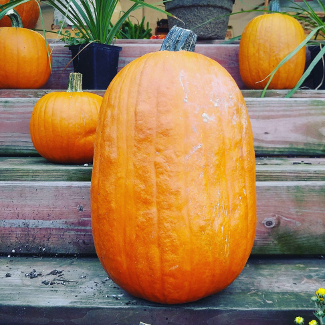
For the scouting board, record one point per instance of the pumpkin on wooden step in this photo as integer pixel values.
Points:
(173, 198)
(63, 124)
(25, 56)
(28, 12)
(265, 41)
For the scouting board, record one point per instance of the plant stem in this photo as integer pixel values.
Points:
(75, 82)
(14, 18)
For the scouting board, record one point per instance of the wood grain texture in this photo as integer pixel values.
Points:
(267, 169)
(288, 126)
(281, 126)
(54, 217)
(39, 169)
(48, 217)
(268, 291)
(225, 54)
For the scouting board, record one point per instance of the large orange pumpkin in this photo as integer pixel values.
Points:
(28, 12)
(173, 199)
(63, 124)
(265, 41)
(25, 57)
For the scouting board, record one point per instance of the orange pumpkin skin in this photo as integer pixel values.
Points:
(173, 199)
(63, 126)
(24, 62)
(265, 41)
(28, 12)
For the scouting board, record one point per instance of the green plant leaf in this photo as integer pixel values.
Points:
(288, 57)
(93, 19)
(10, 5)
(307, 72)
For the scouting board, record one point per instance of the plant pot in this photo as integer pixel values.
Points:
(195, 12)
(317, 74)
(287, 5)
(97, 62)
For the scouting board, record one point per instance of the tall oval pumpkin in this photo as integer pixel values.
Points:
(265, 41)
(173, 198)
(28, 12)
(25, 57)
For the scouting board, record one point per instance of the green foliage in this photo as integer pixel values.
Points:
(10, 5)
(93, 19)
(320, 309)
(135, 31)
(70, 39)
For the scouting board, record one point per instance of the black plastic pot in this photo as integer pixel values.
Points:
(317, 74)
(97, 62)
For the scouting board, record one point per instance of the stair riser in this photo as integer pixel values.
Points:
(54, 217)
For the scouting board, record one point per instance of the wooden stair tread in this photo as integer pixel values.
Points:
(281, 126)
(267, 169)
(275, 290)
(39, 169)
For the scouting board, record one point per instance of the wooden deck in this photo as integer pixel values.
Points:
(45, 220)
(76, 290)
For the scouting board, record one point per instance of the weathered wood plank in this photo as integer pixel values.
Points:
(281, 126)
(247, 93)
(280, 93)
(39, 169)
(288, 126)
(267, 169)
(54, 217)
(268, 291)
(290, 169)
(225, 54)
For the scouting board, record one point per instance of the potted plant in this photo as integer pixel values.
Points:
(93, 47)
(207, 18)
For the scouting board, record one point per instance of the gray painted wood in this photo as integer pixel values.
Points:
(51, 217)
(281, 126)
(268, 291)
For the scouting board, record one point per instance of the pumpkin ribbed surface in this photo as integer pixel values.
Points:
(24, 61)
(28, 12)
(63, 126)
(265, 41)
(173, 186)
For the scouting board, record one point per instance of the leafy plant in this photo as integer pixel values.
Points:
(320, 309)
(93, 18)
(134, 31)
(10, 5)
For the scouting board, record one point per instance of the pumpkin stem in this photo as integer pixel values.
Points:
(179, 39)
(275, 5)
(75, 82)
(14, 18)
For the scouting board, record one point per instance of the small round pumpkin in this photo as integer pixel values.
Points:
(265, 41)
(28, 12)
(63, 124)
(173, 198)
(25, 57)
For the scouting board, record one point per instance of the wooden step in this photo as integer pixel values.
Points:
(267, 169)
(45, 207)
(224, 53)
(76, 290)
(281, 126)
